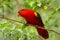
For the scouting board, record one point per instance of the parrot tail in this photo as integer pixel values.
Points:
(42, 32)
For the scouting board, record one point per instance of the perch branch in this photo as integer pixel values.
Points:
(10, 19)
(24, 23)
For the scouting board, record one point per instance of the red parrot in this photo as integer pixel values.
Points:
(33, 18)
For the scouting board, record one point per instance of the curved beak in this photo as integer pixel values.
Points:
(18, 14)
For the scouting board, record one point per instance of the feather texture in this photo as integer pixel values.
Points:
(34, 19)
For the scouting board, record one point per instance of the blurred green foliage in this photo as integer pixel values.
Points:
(48, 9)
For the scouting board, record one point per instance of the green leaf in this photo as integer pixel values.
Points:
(24, 26)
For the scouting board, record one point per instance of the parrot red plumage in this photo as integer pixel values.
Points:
(33, 18)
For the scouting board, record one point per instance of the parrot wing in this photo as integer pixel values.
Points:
(39, 17)
(41, 32)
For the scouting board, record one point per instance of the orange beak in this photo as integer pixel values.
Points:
(18, 15)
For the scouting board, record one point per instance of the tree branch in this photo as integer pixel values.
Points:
(28, 24)
(10, 19)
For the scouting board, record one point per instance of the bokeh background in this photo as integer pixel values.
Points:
(48, 9)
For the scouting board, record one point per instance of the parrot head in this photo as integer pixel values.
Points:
(20, 12)
(24, 12)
